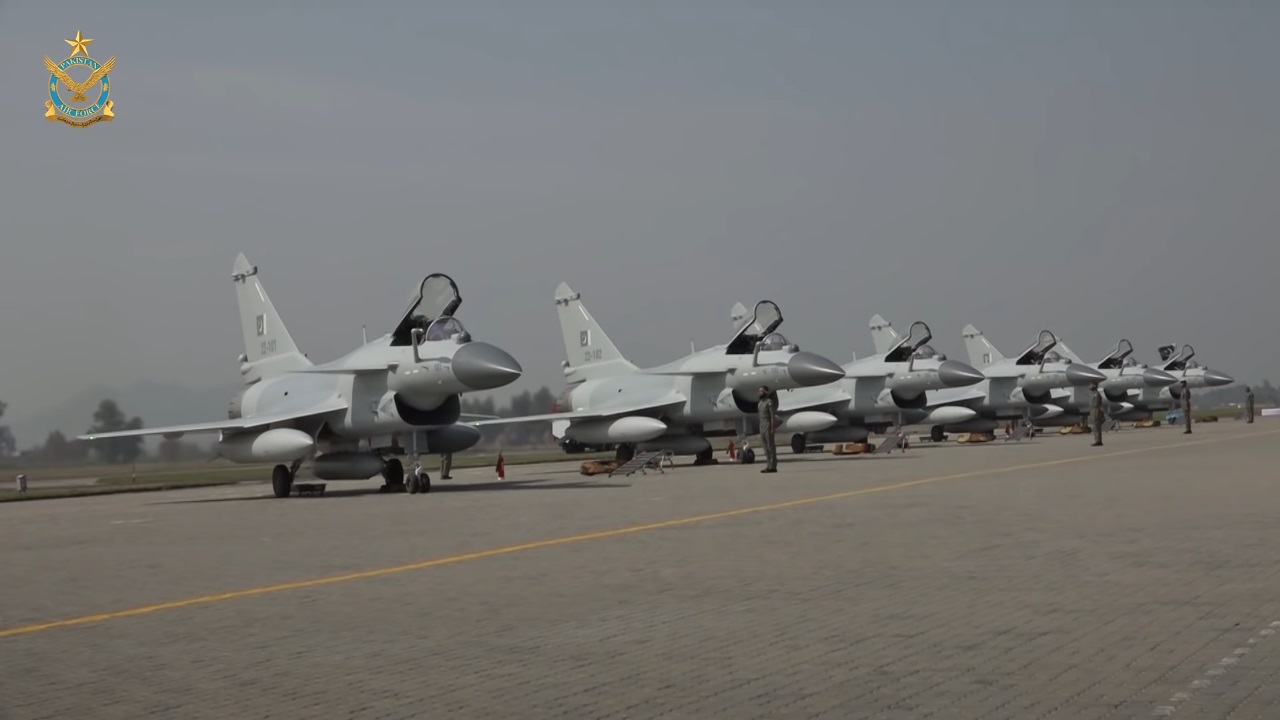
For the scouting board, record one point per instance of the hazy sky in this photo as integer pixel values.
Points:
(1103, 169)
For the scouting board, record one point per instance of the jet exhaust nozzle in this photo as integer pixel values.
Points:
(481, 366)
(809, 369)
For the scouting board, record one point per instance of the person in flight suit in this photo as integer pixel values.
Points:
(1096, 416)
(1185, 398)
(1248, 404)
(768, 413)
(446, 464)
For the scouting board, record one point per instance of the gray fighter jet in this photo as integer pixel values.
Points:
(1124, 375)
(676, 406)
(888, 389)
(1015, 388)
(358, 412)
(1149, 400)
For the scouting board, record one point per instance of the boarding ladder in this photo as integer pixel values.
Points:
(1020, 431)
(641, 462)
(895, 439)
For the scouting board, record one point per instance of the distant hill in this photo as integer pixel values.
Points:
(155, 403)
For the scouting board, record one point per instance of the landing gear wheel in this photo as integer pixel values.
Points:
(798, 444)
(281, 481)
(935, 434)
(392, 475)
(419, 482)
(393, 471)
(703, 457)
(624, 453)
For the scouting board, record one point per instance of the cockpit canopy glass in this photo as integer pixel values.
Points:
(1053, 357)
(764, 320)
(1034, 354)
(774, 341)
(437, 297)
(446, 328)
(926, 352)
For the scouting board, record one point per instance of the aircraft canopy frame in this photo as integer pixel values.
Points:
(1116, 359)
(437, 298)
(766, 317)
(917, 336)
(1035, 354)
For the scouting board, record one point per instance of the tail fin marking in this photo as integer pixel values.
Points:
(981, 352)
(589, 353)
(268, 347)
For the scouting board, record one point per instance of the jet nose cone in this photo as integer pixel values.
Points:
(1157, 378)
(954, 373)
(481, 366)
(1216, 378)
(807, 369)
(1078, 374)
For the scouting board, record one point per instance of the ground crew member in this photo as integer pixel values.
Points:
(1185, 398)
(446, 463)
(1095, 414)
(1248, 404)
(768, 412)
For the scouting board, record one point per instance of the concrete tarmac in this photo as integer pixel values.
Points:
(1040, 579)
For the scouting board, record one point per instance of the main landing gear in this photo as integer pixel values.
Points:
(394, 475)
(282, 478)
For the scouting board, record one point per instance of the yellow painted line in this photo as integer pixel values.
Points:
(618, 532)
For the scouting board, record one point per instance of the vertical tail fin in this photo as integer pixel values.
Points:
(268, 347)
(589, 353)
(739, 314)
(883, 335)
(981, 352)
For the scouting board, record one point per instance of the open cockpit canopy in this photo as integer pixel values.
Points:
(431, 311)
(917, 336)
(764, 320)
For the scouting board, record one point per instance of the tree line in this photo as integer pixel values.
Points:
(58, 448)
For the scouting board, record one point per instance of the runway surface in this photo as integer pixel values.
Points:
(1042, 579)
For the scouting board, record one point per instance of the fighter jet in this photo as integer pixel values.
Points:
(1124, 374)
(1150, 400)
(888, 389)
(676, 406)
(1017, 388)
(353, 414)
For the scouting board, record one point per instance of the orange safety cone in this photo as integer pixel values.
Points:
(502, 472)
(732, 451)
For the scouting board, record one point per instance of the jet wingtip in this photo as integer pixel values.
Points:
(241, 264)
(971, 330)
(878, 322)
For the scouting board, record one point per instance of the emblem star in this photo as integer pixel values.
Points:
(79, 45)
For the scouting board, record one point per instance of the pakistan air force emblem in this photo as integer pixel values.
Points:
(56, 108)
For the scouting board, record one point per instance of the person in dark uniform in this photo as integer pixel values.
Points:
(446, 464)
(1185, 398)
(767, 409)
(1248, 404)
(1096, 416)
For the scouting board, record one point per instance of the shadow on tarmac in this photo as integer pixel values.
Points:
(436, 487)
